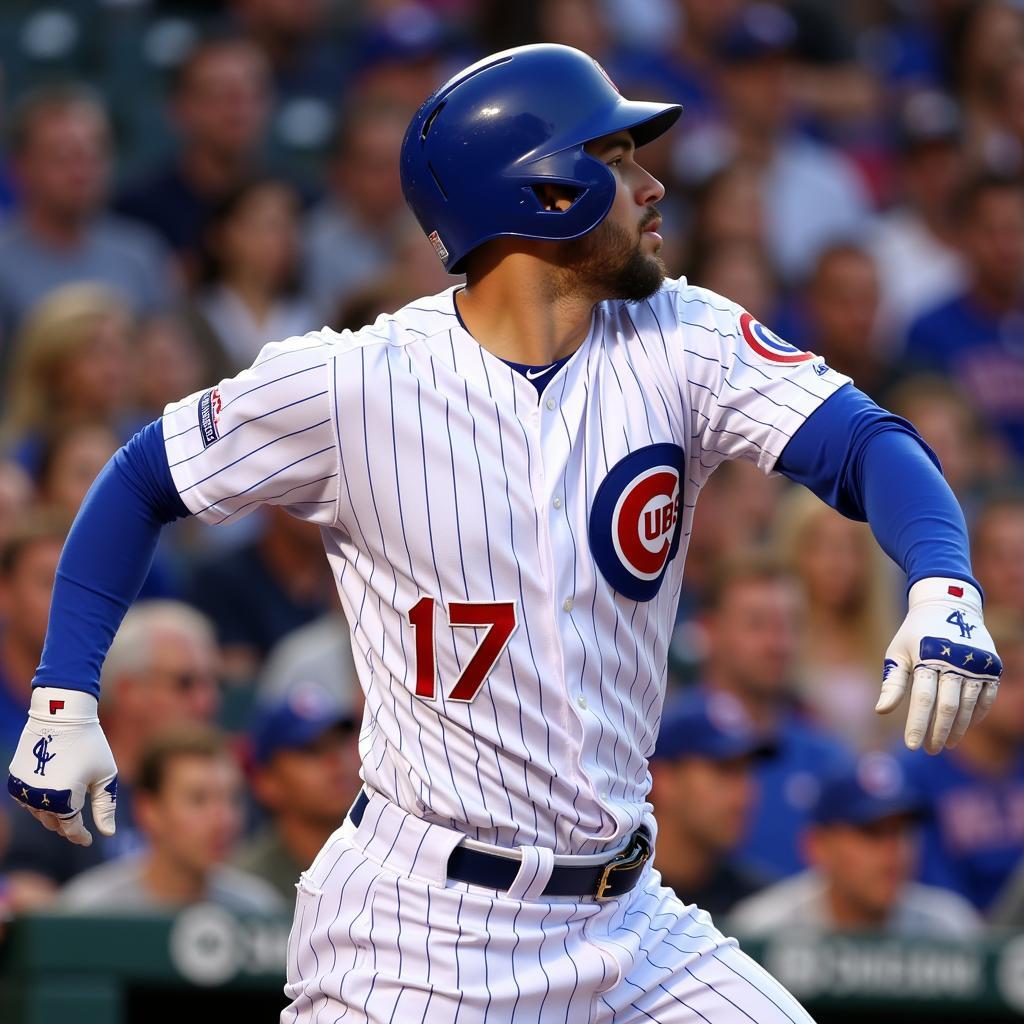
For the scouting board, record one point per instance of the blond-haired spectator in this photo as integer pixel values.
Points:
(71, 365)
(849, 606)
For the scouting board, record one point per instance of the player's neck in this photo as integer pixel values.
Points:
(513, 312)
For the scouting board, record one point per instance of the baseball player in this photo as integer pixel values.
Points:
(505, 476)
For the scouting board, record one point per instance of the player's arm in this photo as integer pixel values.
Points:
(871, 465)
(63, 754)
(263, 437)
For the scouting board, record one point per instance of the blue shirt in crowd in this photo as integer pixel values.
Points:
(974, 836)
(983, 352)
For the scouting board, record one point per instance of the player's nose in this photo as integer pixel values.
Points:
(649, 189)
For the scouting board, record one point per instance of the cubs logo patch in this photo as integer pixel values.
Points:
(635, 520)
(209, 414)
(769, 345)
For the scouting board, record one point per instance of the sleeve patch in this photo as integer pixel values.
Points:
(209, 414)
(769, 345)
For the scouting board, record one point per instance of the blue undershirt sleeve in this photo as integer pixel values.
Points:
(871, 465)
(106, 558)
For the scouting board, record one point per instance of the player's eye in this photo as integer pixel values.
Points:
(615, 161)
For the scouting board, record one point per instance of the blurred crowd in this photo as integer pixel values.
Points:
(182, 182)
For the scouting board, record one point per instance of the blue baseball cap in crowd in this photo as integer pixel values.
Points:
(295, 720)
(711, 725)
(761, 30)
(871, 788)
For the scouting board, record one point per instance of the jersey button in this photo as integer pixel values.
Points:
(550, 403)
(567, 605)
(557, 503)
(582, 701)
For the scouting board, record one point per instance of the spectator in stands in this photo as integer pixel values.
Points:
(160, 672)
(352, 237)
(753, 629)
(860, 847)
(168, 365)
(914, 243)
(848, 595)
(703, 791)
(974, 337)
(997, 547)
(838, 316)
(16, 495)
(741, 270)
(305, 749)
(975, 791)
(951, 427)
(320, 653)
(812, 195)
(305, 59)
(71, 366)
(262, 591)
(984, 38)
(728, 207)
(60, 155)
(250, 282)
(219, 107)
(28, 562)
(70, 460)
(188, 805)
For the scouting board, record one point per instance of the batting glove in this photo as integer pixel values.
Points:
(62, 755)
(944, 647)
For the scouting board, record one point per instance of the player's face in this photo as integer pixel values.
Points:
(619, 258)
(197, 817)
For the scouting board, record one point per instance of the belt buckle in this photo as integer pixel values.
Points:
(633, 857)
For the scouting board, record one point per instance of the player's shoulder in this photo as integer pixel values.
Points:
(679, 303)
(420, 320)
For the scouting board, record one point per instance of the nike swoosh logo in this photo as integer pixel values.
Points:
(530, 375)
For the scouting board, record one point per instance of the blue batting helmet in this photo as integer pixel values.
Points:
(476, 150)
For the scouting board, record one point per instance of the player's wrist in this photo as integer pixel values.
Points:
(944, 588)
(59, 704)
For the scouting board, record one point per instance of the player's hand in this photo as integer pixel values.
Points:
(944, 647)
(62, 755)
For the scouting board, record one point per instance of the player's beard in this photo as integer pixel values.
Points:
(610, 263)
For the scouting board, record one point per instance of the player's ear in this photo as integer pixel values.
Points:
(555, 198)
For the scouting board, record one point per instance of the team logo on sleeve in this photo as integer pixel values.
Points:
(635, 520)
(209, 414)
(769, 345)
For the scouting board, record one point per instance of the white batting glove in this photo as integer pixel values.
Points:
(944, 646)
(62, 755)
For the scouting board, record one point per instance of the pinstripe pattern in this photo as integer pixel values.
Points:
(436, 470)
(378, 937)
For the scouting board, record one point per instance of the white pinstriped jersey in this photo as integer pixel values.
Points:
(510, 565)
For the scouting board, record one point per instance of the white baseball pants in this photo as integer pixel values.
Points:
(381, 936)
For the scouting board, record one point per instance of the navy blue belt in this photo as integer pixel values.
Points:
(604, 881)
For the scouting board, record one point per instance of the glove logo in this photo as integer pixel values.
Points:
(957, 619)
(42, 754)
(769, 345)
(635, 520)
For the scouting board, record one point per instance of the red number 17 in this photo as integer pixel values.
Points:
(500, 616)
